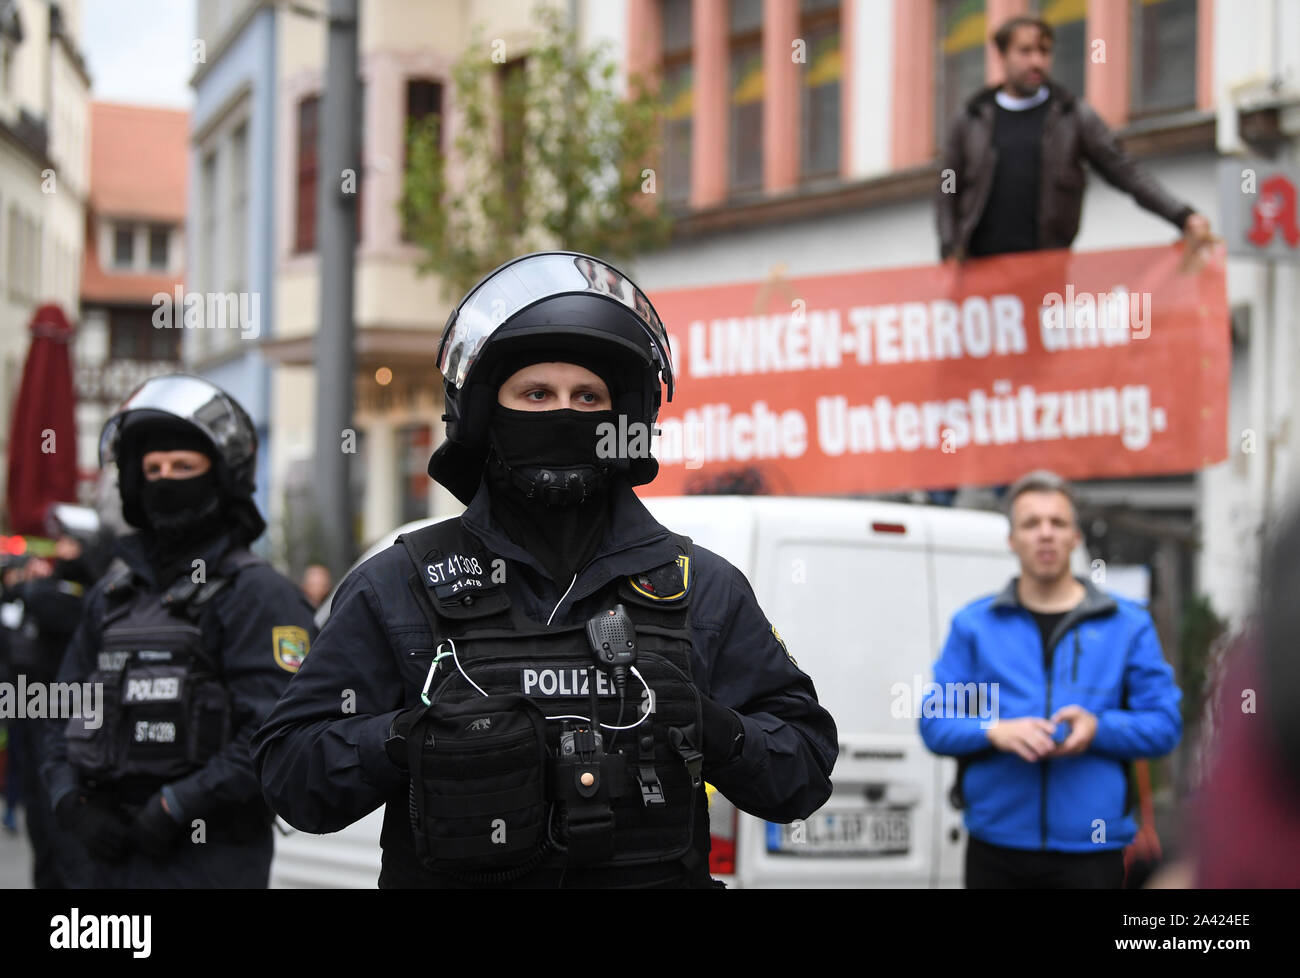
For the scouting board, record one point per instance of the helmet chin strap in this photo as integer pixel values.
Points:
(554, 486)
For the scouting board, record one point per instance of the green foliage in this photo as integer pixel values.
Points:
(299, 541)
(1197, 633)
(549, 156)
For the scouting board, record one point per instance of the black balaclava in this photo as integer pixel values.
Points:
(563, 535)
(184, 514)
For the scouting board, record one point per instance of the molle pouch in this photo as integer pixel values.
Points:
(155, 714)
(478, 784)
(209, 720)
(96, 744)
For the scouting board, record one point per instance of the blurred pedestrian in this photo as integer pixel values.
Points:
(1248, 809)
(44, 604)
(316, 583)
(1045, 785)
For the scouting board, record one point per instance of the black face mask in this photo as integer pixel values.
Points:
(549, 457)
(560, 520)
(182, 508)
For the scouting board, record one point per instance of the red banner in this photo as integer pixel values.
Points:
(1101, 364)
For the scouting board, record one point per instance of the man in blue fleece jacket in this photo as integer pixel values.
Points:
(1082, 688)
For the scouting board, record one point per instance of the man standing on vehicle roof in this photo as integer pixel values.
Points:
(537, 690)
(1084, 689)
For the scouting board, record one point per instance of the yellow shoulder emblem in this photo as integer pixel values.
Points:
(667, 583)
(290, 644)
(781, 642)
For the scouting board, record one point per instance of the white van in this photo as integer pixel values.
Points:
(862, 593)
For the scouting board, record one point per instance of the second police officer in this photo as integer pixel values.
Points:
(539, 689)
(191, 639)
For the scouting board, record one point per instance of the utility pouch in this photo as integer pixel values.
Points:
(96, 745)
(478, 784)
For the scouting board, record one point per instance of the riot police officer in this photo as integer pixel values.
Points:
(191, 639)
(538, 689)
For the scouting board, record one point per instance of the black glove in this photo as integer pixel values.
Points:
(395, 745)
(724, 734)
(99, 825)
(155, 832)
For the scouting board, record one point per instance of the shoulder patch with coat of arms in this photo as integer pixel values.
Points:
(290, 645)
(781, 642)
(666, 583)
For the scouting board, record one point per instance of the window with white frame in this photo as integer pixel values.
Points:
(13, 244)
(235, 240)
(124, 246)
(745, 53)
(961, 46)
(159, 240)
(1068, 20)
(1163, 55)
(819, 125)
(678, 99)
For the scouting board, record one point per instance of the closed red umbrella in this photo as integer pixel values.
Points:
(43, 437)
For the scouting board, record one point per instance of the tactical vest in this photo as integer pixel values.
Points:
(165, 709)
(508, 782)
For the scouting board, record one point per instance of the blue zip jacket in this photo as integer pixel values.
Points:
(1106, 658)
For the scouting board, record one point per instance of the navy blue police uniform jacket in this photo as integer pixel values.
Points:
(240, 632)
(320, 754)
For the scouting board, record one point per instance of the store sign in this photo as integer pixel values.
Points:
(1260, 204)
(1101, 364)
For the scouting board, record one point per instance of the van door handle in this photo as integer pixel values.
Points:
(876, 792)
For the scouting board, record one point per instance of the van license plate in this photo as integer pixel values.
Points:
(877, 833)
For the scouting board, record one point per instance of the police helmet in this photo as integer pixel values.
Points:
(556, 306)
(199, 408)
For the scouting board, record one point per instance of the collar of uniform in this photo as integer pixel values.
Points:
(133, 549)
(1095, 601)
(635, 541)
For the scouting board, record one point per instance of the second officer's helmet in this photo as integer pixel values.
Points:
(554, 305)
(207, 410)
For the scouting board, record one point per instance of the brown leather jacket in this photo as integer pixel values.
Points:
(1072, 133)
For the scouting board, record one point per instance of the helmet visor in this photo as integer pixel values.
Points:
(528, 280)
(190, 399)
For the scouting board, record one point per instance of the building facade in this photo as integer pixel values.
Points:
(803, 137)
(134, 263)
(406, 50)
(230, 272)
(44, 141)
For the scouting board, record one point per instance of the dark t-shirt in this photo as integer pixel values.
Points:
(1047, 622)
(1010, 219)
